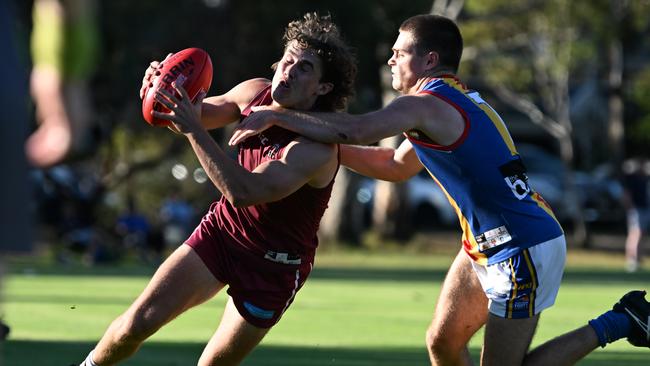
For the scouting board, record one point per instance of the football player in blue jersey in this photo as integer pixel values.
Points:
(513, 249)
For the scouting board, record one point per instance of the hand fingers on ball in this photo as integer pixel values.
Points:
(166, 116)
(181, 91)
(166, 99)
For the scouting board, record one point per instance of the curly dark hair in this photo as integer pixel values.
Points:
(320, 34)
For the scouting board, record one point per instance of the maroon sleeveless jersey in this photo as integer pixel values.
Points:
(288, 225)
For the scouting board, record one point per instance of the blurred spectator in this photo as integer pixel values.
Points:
(63, 42)
(177, 217)
(134, 229)
(67, 201)
(636, 175)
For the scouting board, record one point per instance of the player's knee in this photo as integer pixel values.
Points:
(134, 327)
(440, 345)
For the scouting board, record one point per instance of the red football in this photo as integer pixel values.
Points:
(190, 68)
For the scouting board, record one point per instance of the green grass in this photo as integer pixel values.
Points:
(358, 308)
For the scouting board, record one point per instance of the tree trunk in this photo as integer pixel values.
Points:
(343, 219)
(391, 216)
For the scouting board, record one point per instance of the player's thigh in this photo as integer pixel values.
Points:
(181, 282)
(462, 306)
(506, 341)
(234, 339)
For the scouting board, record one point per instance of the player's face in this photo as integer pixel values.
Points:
(296, 82)
(406, 66)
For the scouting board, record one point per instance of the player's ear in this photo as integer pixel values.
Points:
(432, 59)
(324, 88)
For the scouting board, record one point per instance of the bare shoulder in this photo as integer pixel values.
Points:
(438, 104)
(317, 151)
(244, 92)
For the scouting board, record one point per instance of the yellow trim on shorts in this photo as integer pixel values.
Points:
(533, 276)
(513, 295)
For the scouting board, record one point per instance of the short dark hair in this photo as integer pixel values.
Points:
(436, 33)
(320, 34)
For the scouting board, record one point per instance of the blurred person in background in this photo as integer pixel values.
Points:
(177, 218)
(134, 229)
(64, 42)
(636, 176)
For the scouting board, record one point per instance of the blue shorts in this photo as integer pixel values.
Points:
(524, 285)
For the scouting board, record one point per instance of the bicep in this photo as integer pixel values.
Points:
(394, 165)
(218, 111)
(280, 178)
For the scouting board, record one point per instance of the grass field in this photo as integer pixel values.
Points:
(358, 308)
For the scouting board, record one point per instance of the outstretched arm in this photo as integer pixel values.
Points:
(402, 114)
(270, 181)
(394, 165)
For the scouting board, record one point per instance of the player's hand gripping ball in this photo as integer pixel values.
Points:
(190, 68)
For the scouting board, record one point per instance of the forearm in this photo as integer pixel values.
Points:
(232, 180)
(323, 127)
(373, 161)
(360, 129)
(217, 115)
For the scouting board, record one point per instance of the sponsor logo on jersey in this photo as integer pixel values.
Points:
(514, 174)
(493, 238)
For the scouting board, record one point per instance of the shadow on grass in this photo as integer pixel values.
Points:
(27, 353)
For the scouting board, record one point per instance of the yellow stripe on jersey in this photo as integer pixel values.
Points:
(454, 83)
(543, 205)
(477, 256)
(500, 126)
(491, 113)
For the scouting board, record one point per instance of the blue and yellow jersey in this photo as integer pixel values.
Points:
(485, 179)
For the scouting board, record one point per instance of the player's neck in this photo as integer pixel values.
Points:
(424, 80)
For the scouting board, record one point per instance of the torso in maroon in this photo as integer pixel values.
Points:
(288, 225)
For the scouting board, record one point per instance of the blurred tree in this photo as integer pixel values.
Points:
(526, 59)
(533, 53)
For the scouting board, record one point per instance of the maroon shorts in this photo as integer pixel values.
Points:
(261, 289)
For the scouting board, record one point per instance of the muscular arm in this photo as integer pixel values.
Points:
(394, 165)
(270, 181)
(220, 110)
(441, 122)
